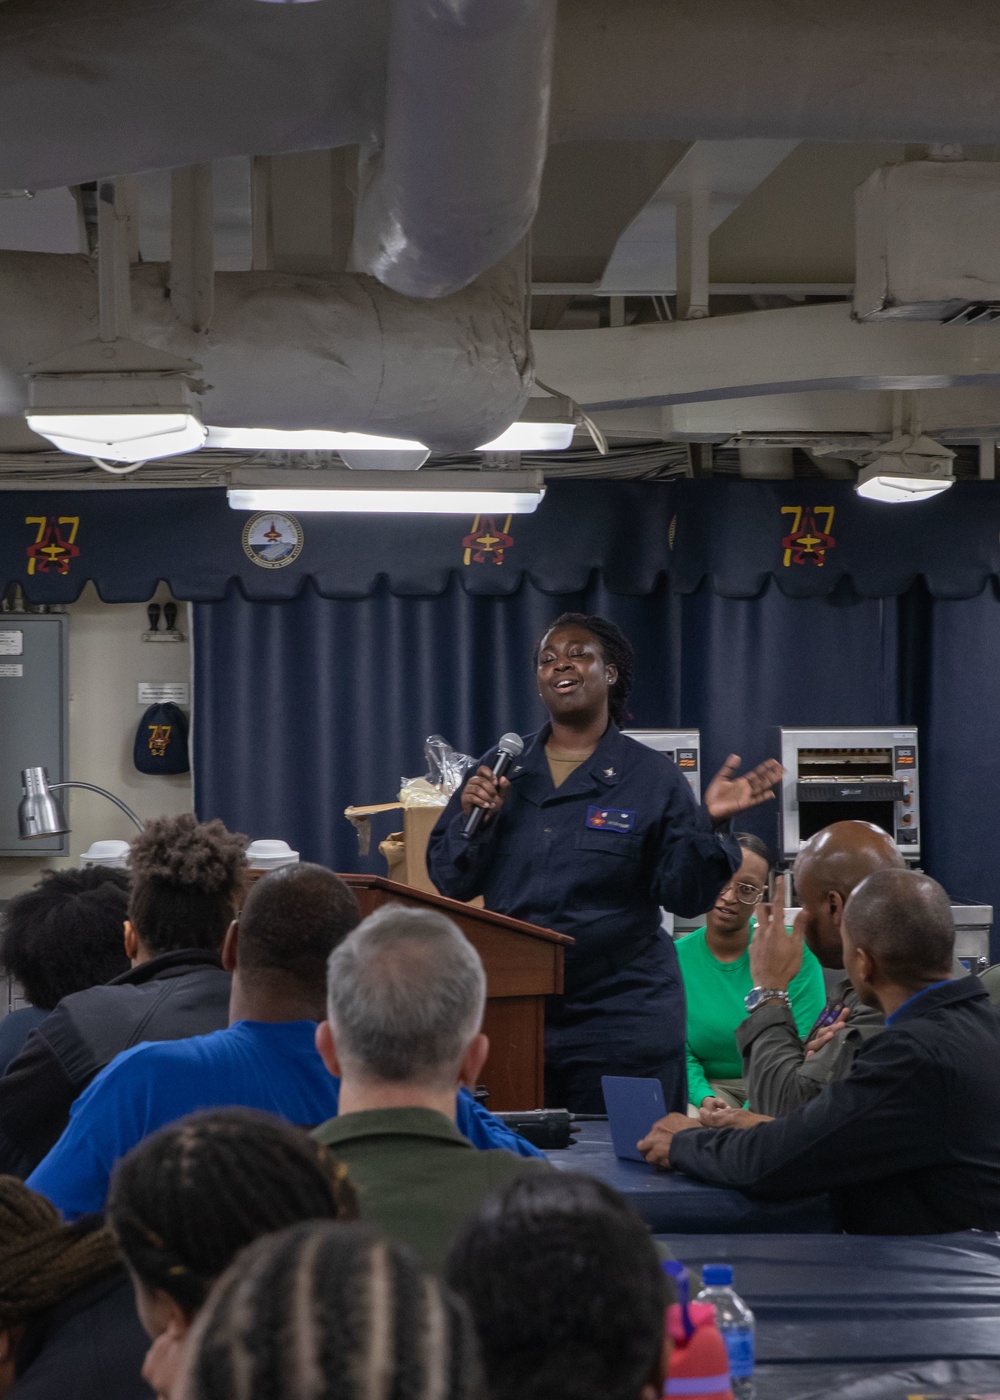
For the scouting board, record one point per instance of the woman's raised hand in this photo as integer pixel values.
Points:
(729, 793)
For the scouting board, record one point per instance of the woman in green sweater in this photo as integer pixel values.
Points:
(715, 965)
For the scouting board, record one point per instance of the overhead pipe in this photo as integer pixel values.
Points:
(291, 352)
(227, 77)
(198, 79)
(453, 184)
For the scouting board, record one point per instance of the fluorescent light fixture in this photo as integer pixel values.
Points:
(370, 493)
(306, 440)
(532, 437)
(131, 436)
(397, 501)
(116, 399)
(894, 489)
(545, 425)
(910, 467)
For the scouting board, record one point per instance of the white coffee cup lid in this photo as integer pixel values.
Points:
(270, 855)
(113, 853)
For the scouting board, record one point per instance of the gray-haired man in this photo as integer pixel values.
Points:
(406, 994)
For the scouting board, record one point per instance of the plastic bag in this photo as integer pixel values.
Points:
(446, 770)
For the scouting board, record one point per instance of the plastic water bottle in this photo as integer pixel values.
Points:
(736, 1323)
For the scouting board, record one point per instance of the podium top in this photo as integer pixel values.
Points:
(408, 894)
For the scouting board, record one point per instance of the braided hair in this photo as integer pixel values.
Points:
(190, 1196)
(331, 1312)
(43, 1260)
(616, 650)
(186, 877)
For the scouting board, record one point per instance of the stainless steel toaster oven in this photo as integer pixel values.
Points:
(834, 775)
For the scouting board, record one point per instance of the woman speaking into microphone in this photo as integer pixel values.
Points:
(590, 833)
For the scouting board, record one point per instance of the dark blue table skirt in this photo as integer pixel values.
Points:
(671, 1203)
(853, 1300)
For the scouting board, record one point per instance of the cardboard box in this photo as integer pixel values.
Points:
(405, 851)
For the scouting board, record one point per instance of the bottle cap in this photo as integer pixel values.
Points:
(717, 1275)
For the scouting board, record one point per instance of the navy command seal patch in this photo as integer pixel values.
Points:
(610, 819)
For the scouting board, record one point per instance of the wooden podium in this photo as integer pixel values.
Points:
(523, 964)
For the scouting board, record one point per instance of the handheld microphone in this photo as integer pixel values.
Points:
(511, 746)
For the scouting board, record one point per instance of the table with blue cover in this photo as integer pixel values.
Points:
(839, 1317)
(671, 1203)
(864, 1317)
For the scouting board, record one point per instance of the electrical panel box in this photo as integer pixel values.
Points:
(681, 746)
(34, 717)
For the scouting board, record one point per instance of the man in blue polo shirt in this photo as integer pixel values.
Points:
(266, 1058)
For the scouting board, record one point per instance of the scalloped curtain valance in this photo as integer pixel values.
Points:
(812, 538)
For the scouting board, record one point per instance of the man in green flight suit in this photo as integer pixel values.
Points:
(406, 994)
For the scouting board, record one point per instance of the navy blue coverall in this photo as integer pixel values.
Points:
(596, 858)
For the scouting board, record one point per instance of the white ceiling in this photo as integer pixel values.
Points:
(778, 109)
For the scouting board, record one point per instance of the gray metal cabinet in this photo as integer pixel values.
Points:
(34, 716)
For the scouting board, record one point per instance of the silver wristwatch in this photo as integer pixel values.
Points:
(758, 995)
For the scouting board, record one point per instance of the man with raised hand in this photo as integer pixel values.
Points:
(909, 1142)
(784, 1071)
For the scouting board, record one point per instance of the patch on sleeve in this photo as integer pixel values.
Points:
(610, 819)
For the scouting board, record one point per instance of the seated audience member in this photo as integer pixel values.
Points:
(323, 1310)
(406, 998)
(566, 1291)
(68, 1326)
(909, 1143)
(991, 981)
(61, 937)
(715, 966)
(185, 879)
(266, 1059)
(783, 1069)
(188, 1199)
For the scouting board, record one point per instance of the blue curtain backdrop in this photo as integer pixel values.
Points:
(306, 707)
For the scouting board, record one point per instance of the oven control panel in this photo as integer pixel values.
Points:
(907, 813)
(681, 746)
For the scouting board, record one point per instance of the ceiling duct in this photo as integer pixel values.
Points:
(453, 185)
(926, 242)
(229, 77)
(292, 352)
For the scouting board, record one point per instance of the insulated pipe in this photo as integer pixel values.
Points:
(201, 79)
(682, 70)
(105, 88)
(298, 352)
(454, 184)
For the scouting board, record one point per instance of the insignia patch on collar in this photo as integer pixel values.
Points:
(610, 819)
